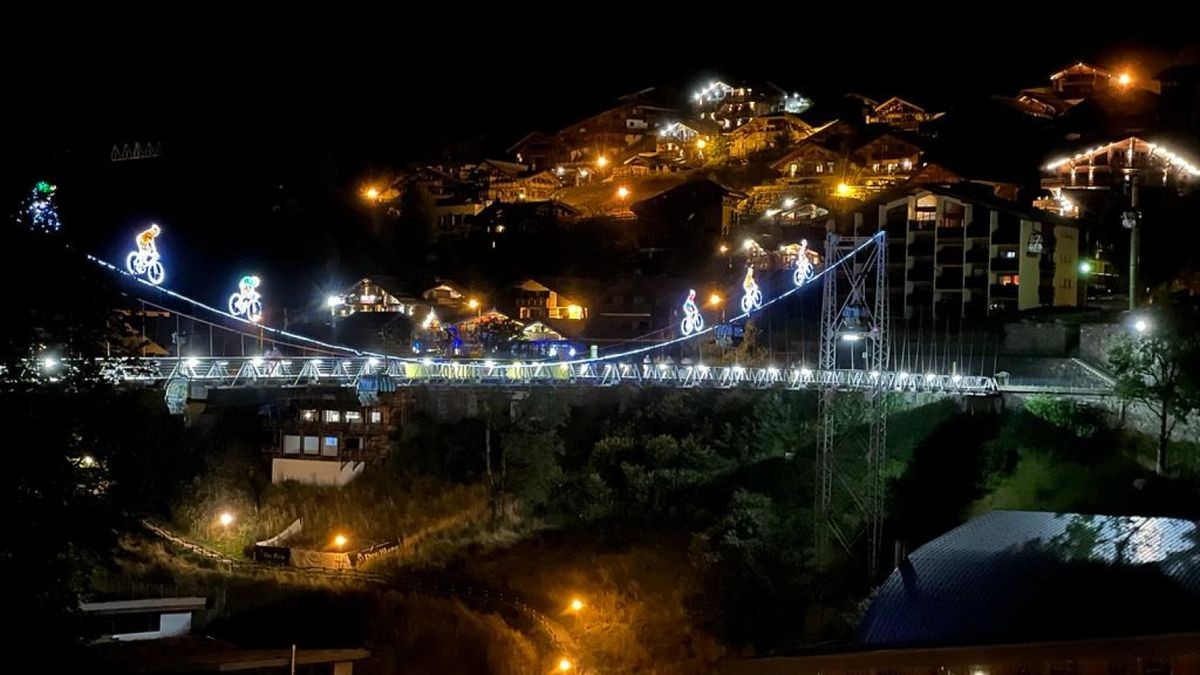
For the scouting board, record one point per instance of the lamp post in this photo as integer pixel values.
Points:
(1131, 220)
(1085, 271)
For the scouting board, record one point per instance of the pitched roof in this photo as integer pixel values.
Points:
(1018, 576)
(1081, 67)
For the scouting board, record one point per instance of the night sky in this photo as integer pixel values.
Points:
(266, 138)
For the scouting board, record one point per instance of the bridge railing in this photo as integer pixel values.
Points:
(295, 372)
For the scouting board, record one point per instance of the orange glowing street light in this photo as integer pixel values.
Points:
(622, 192)
(714, 299)
(339, 540)
(843, 190)
(226, 518)
(601, 161)
(576, 605)
(1125, 79)
(723, 248)
(701, 144)
(565, 665)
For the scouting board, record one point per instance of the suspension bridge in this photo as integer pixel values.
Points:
(854, 358)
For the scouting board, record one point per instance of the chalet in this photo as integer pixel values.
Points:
(730, 106)
(327, 441)
(377, 293)
(445, 294)
(957, 250)
(1079, 80)
(690, 139)
(500, 220)
(610, 133)
(687, 212)
(766, 133)
(539, 151)
(886, 160)
(846, 160)
(1106, 166)
(535, 301)
(901, 114)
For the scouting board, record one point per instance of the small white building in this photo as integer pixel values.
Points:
(146, 619)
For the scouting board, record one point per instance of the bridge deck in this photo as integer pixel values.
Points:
(249, 372)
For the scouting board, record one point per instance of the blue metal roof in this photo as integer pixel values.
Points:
(1020, 576)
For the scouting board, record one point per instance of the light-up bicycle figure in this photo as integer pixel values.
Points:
(144, 261)
(804, 267)
(247, 301)
(752, 298)
(692, 322)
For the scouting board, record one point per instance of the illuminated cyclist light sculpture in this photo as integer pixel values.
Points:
(804, 266)
(752, 298)
(144, 261)
(692, 322)
(247, 301)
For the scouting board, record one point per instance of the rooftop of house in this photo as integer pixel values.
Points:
(1023, 576)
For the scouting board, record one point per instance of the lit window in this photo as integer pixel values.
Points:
(353, 416)
(1010, 279)
(376, 417)
(308, 415)
(333, 416)
(331, 441)
(1010, 254)
(574, 312)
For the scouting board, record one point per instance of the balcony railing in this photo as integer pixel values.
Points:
(978, 255)
(951, 255)
(921, 225)
(1006, 235)
(1005, 264)
(1004, 290)
(975, 282)
(950, 281)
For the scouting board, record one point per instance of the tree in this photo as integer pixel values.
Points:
(1158, 367)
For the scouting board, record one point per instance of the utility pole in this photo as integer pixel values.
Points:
(1132, 220)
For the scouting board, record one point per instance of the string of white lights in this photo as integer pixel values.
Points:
(343, 348)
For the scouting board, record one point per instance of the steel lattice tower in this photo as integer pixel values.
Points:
(854, 334)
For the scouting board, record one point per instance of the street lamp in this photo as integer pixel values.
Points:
(1125, 79)
(714, 299)
(701, 144)
(601, 162)
(339, 540)
(1142, 326)
(565, 665)
(843, 190)
(226, 519)
(475, 305)
(622, 192)
(576, 605)
(723, 248)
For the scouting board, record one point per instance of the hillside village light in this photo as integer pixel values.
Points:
(1125, 79)
(701, 143)
(723, 248)
(601, 162)
(843, 190)
(622, 192)
(564, 665)
(576, 605)
(371, 193)
(339, 540)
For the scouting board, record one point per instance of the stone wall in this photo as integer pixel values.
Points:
(1029, 338)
